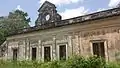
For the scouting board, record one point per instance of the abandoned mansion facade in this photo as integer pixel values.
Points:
(52, 38)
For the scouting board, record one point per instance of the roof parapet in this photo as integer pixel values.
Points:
(80, 19)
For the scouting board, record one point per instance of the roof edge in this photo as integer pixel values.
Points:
(79, 19)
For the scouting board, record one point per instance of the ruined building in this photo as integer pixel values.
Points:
(52, 38)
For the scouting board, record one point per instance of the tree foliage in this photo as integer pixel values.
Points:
(13, 22)
(2, 36)
(17, 20)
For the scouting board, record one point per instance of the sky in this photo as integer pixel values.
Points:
(66, 8)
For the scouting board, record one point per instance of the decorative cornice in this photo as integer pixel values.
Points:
(99, 32)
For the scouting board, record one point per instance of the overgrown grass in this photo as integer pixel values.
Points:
(73, 62)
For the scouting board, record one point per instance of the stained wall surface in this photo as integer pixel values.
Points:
(78, 39)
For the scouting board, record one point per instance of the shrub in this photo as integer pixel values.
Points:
(72, 62)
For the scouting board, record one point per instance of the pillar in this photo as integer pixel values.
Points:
(27, 49)
(80, 43)
(77, 45)
(70, 46)
(54, 53)
(39, 50)
(22, 51)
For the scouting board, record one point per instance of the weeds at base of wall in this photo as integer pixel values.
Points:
(72, 62)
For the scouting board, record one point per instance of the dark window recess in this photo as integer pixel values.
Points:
(33, 53)
(98, 49)
(15, 54)
(62, 52)
(47, 54)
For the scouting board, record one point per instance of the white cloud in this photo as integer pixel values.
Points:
(19, 7)
(113, 3)
(100, 9)
(70, 13)
(59, 2)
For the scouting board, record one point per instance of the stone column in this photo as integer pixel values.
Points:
(22, 51)
(54, 55)
(10, 52)
(80, 43)
(106, 51)
(6, 51)
(76, 42)
(23, 48)
(27, 49)
(117, 47)
(42, 51)
(39, 51)
(70, 46)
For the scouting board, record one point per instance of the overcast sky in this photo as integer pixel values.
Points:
(66, 8)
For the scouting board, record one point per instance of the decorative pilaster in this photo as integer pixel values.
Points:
(39, 50)
(77, 45)
(22, 51)
(27, 49)
(42, 52)
(80, 43)
(106, 51)
(10, 53)
(70, 46)
(54, 54)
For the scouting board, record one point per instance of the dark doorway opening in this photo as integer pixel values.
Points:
(62, 52)
(15, 54)
(34, 53)
(98, 49)
(47, 53)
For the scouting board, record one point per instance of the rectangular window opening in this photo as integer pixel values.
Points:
(15, 54)
(34, 53)
(47, 54)
(62, 52)
(98, 49)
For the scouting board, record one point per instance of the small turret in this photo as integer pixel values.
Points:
(47, 14)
